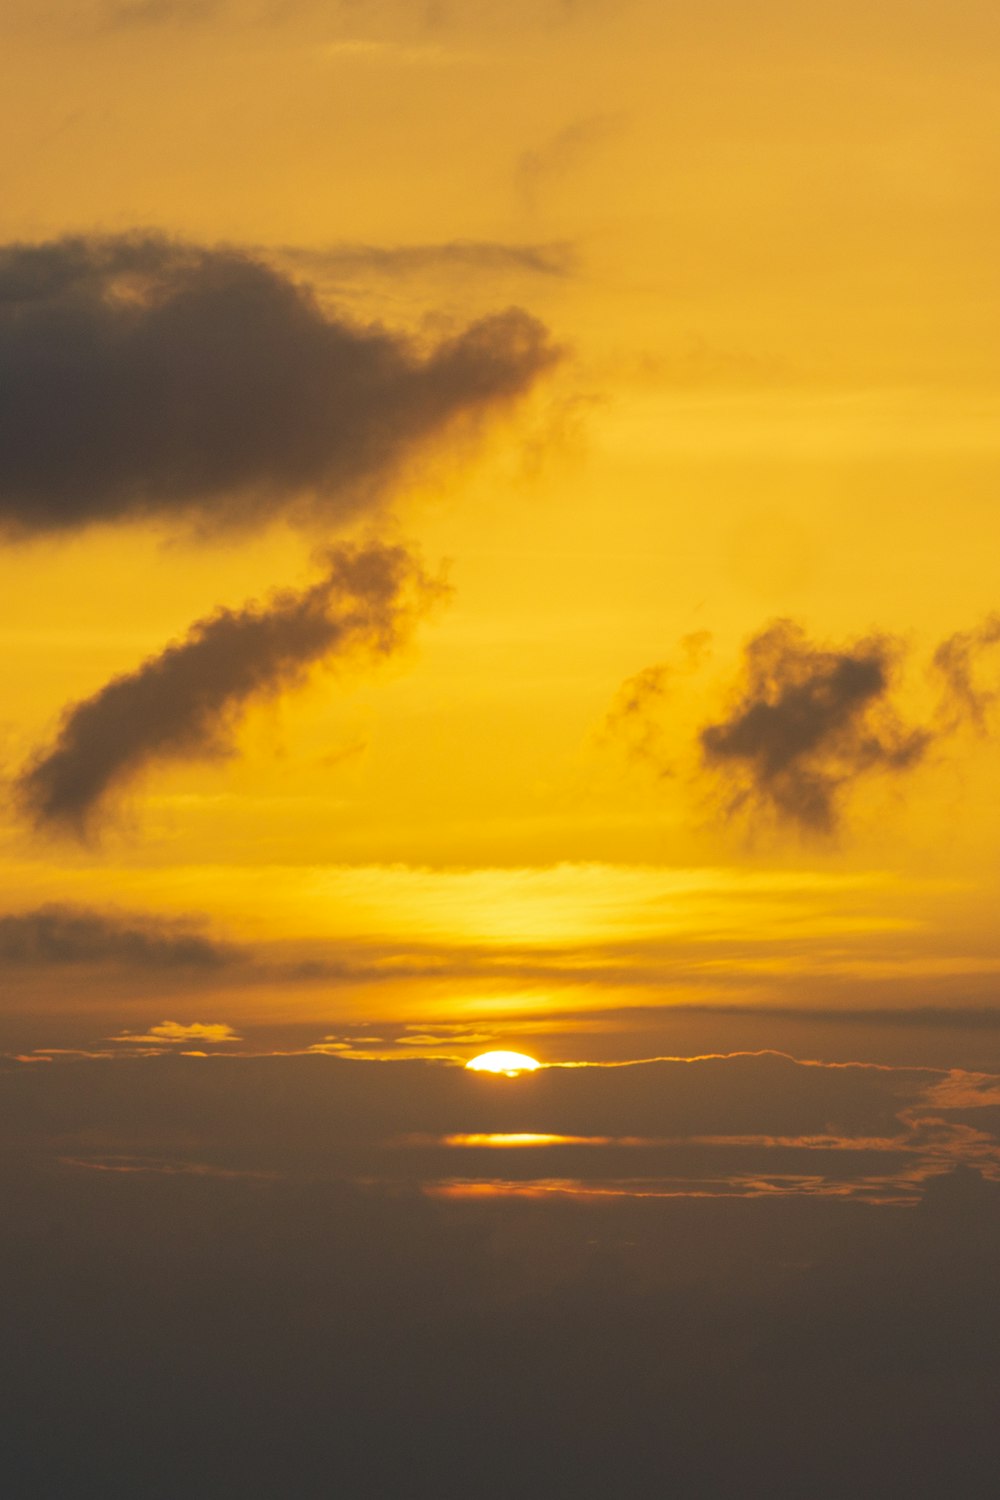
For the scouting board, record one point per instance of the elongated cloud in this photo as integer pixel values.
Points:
(808, 722)
(144, 377)
(69, 935)
(185, 702)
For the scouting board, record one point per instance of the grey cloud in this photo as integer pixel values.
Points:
(56, 935)
(807, 724)
(183, 702)
(145, 377)
(473, 257)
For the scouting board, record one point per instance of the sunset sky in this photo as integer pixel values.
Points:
(498, 536)
(752, 381)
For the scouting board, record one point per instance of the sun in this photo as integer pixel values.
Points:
(508, 1063)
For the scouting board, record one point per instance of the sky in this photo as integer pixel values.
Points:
(497, 531)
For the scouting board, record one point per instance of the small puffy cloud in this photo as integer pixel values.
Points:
(807, 723)
(185, 702)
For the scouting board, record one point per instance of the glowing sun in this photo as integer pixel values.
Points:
(508, 1063)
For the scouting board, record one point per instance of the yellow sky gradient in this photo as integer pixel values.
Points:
(774, 233)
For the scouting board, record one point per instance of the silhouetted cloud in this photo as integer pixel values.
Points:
(63, 935)
(185, 701)
(145, 377)
(727, 1123)
(808, 722)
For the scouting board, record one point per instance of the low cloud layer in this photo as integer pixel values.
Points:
(185, 702)
(807, 724)
(250, 1245)
(741, 1123)
(146, 377)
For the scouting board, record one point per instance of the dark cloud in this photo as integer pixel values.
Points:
(67, 935)
(144, 377)
(720, 1119)
(807, 724)
(185, 701)
(233, 1249)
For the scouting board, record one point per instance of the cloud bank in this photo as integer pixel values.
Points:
(186, 701)
(143, 377)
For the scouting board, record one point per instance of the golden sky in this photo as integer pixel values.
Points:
(564, 438)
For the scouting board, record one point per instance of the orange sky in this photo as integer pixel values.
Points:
(763, 253)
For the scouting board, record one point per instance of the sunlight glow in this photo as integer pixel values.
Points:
(508, 1063)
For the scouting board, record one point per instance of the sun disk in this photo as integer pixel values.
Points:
(508, 1063)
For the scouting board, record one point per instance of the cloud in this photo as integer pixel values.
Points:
(565, 152)
(175, 1033)
(734, 1123)
(144, 377)
(472, 257)
(808, 721)
(632, 717)
(807, 724)
(186, 701)
(965, 698)
(64, 935)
